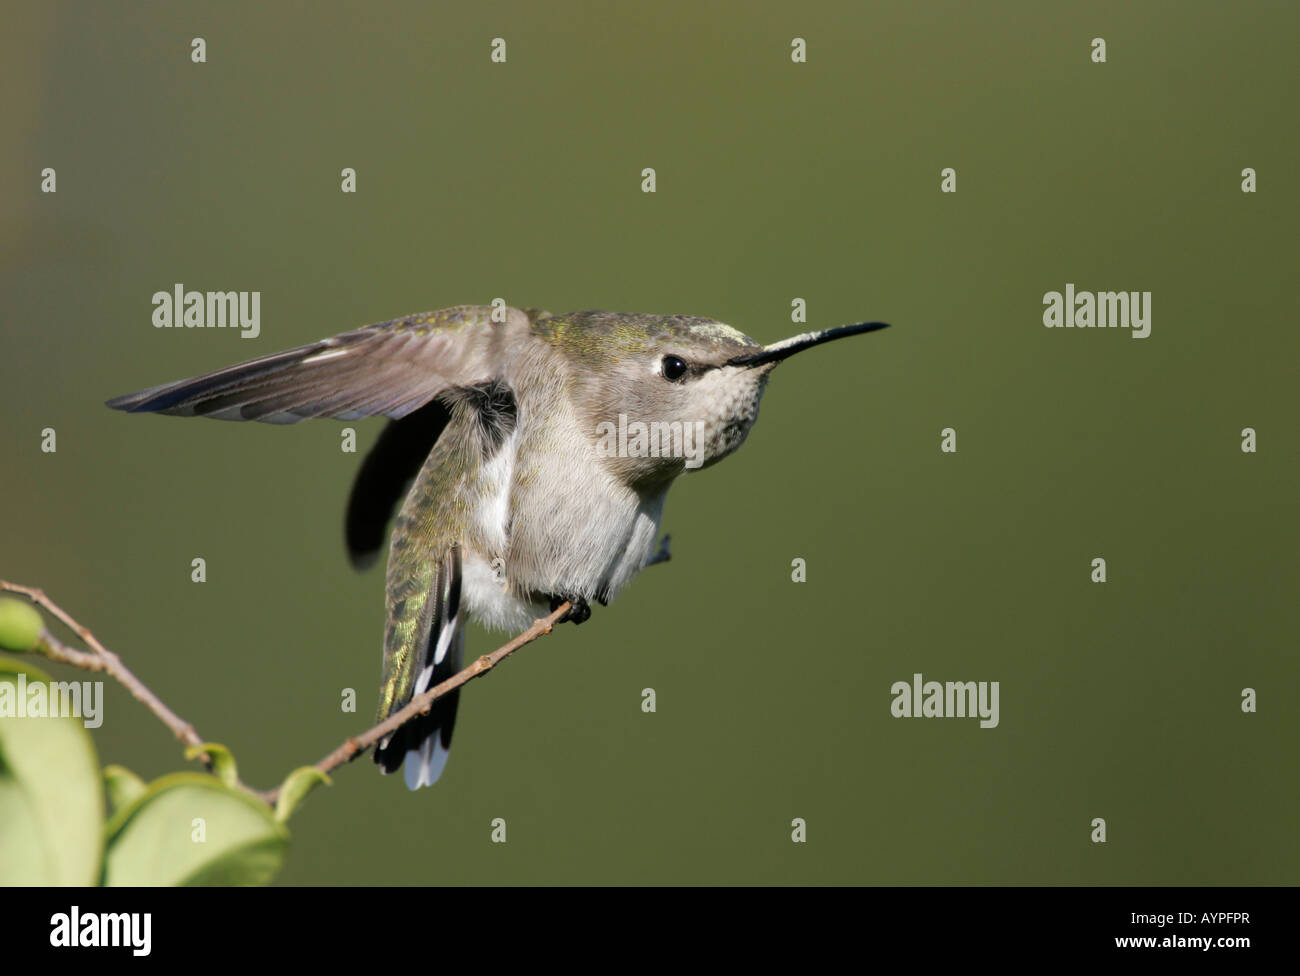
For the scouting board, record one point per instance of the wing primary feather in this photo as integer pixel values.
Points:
(391, 368)
(389, 467)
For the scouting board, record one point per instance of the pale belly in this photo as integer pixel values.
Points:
(591, 551)
(550, 520)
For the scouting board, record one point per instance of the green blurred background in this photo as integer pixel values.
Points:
(775, 180)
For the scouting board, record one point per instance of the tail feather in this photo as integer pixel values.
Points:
(439, 638)
(425, 760)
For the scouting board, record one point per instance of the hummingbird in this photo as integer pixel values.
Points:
(531, 455)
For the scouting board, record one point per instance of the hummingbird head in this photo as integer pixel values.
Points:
(664, 394)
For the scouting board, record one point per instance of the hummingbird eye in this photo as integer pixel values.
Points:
(674, 368)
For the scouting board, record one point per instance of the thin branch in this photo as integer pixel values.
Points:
(420, 704)
(101, 659)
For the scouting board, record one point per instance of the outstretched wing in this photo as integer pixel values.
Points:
(391, 368)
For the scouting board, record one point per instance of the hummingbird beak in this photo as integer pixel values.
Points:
(778, 351)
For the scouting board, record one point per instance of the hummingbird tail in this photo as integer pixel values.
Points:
(428, 641)
(424, 743)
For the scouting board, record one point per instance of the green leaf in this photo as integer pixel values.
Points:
(296, 785)
(223, 761)
(20, 625)
(51, 801)
(192, 829)
(122, 786)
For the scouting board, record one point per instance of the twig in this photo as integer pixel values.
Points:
(420, 704)
(100, 658)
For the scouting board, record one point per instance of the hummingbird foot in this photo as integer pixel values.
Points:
(578, 612)
(662, 555)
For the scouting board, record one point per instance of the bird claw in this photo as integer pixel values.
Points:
(662, 555)
(576, 614)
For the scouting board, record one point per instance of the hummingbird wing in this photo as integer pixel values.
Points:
(397, 455)
(440, 376)
(390, 368)
(385, 475)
